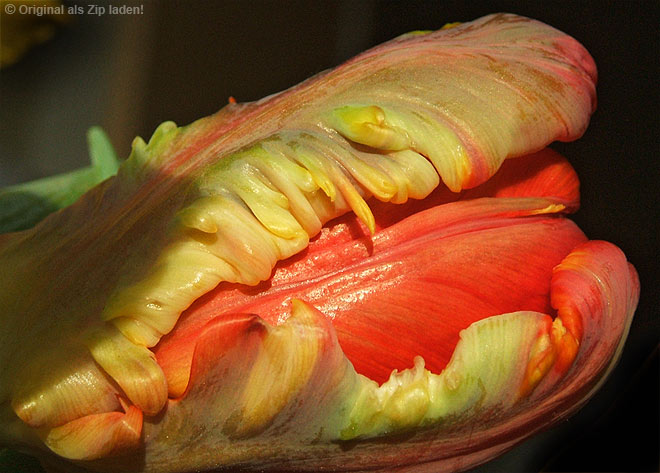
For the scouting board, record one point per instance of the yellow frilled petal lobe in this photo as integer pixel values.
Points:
(366, 125)
(487, 365)
(250, 380)
(48, 395)
(133, 367)
(96, 436)
(285, 364)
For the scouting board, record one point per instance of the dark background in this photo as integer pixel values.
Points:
(182, 60)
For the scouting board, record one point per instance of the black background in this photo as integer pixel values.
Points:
(191, 56)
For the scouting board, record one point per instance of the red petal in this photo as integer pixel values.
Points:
(545, 173)
(542, 174)
(479, 256)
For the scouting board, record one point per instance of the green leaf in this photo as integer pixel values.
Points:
(24, 205)
(101, 152)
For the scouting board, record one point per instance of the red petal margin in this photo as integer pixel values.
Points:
(595, 291)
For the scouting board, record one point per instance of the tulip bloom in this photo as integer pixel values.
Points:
(231, 301)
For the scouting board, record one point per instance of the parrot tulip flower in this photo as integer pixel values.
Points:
(231, 302)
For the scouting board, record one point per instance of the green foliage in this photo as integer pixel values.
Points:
(24, 205)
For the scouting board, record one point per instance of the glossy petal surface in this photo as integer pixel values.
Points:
(467, 254)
